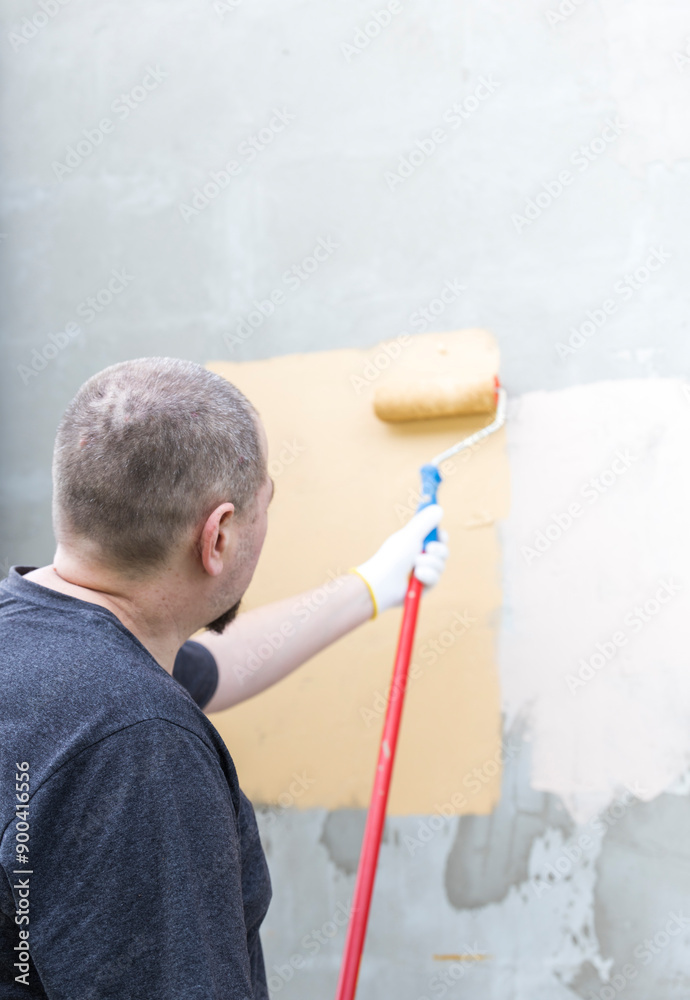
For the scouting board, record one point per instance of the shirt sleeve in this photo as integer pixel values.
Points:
(136, 889)
(196, 670)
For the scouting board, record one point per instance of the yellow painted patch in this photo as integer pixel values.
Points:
(344, 482)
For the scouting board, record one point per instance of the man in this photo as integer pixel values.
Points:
(130, 861)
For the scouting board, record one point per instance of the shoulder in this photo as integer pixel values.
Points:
(147, 765)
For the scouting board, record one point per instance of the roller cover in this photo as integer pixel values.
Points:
(440, 375)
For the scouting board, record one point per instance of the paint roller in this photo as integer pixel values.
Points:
(444, 375)
(429, 398)
(440, 375)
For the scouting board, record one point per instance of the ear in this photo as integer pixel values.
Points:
(216, 538)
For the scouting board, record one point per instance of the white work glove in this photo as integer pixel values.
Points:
(387, 572)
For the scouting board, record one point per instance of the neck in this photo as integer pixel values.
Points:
(151, 609)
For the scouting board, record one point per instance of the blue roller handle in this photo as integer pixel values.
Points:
(431, 480)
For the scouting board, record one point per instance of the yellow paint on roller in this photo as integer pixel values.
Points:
(440, 375)
(344, 482)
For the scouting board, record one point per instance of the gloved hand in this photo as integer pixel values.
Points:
(387, 572)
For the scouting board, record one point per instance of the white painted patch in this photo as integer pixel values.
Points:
(624, 722)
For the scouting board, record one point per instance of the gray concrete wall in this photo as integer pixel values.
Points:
(535, 152)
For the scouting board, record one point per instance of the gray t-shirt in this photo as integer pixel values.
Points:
(145, 879)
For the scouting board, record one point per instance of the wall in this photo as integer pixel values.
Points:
(551, 209)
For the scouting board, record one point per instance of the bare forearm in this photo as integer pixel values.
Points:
(264, 645)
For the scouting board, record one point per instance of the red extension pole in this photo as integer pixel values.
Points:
(366, 873)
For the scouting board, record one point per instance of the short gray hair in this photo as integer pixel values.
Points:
(145, 450)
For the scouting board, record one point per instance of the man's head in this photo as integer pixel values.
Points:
(160, 464)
